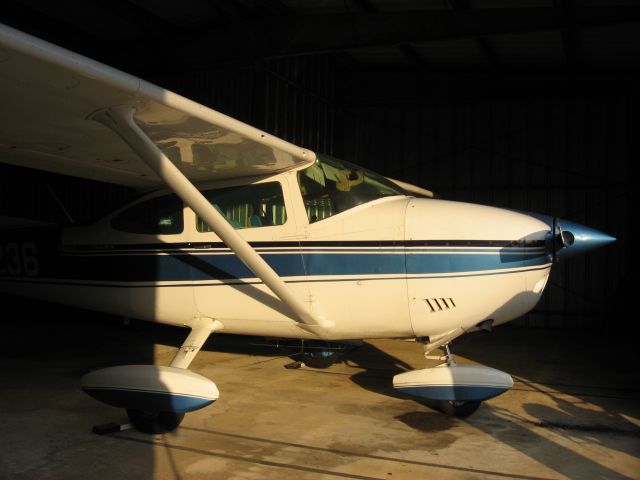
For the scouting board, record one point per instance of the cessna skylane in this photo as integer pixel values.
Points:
(240, 232)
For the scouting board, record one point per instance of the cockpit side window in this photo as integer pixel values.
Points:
(331, 186)
(248, 206)
(157, 216)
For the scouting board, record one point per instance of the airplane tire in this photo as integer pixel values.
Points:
(154, 422)
(458, 409)
(322, 359)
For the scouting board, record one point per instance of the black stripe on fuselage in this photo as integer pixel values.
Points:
(310, 244)
(243, 282)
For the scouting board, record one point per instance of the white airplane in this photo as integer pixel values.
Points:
(244, 233)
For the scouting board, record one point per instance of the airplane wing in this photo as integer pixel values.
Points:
(66, 113)
(48, 95)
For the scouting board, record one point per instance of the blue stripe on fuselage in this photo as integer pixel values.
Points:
(353, 264)
(225, 267)
(182, 262)
(465, 262)
(202, 266)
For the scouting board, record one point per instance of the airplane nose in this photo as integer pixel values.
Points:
(567, 239)
(570, 239)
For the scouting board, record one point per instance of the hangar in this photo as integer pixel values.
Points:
(531, 107)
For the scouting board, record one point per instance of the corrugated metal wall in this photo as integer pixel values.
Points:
(563, 156)
(300, 101)
(292, 98)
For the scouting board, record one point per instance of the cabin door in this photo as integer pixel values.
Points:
(224, 288)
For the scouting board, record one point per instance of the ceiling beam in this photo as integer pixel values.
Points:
(410, 52)
(274, 7)
(482, 43)
(54, 30)
(143, 19)
(280, 36)
(348, 61)
(362, 5)
(487, 52)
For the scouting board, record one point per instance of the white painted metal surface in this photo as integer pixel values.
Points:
(151, 379)
(454, 382)
(444, 374)
(375, 305)
(48, 93)
(120, 119)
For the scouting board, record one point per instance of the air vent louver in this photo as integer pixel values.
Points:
(440, 304)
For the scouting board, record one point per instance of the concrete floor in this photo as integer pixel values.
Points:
(571, 414)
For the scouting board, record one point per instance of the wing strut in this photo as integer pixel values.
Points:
(120, 120)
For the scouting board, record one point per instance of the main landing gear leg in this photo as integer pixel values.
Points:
(201, 328)
(161, 421)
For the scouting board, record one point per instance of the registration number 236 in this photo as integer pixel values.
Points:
(17, 259)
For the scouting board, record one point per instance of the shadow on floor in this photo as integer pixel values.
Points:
(588, 404)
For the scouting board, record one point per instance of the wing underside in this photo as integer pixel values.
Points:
(48, 95)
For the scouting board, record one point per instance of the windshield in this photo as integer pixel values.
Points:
(331, 186)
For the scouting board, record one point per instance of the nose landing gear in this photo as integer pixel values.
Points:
(453, 389)
(455, 408)
(458, 409)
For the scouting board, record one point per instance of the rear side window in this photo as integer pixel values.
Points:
(158, 216)
(248, 206)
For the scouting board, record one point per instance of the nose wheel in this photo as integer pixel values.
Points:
(458, 409)
(454, 408)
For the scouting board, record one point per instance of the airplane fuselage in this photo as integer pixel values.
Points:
(396, 266)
